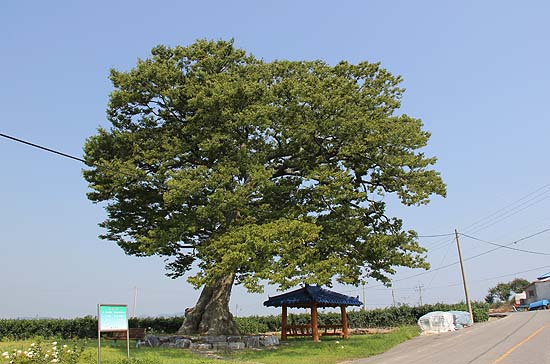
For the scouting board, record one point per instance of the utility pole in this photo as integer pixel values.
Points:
(393, 296)
(419, 289)
(464, 277)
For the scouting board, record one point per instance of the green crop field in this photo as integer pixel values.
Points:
(295, 351)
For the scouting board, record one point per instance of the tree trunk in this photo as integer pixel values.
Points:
(211, 315)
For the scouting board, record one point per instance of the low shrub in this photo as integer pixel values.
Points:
(251, 325)
(377, 318)
(83, 327)
(86, 327)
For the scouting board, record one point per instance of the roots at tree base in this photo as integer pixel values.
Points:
(211, 315)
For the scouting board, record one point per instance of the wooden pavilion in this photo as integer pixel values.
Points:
(313, 297)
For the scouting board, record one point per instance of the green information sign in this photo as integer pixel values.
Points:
(113, 318)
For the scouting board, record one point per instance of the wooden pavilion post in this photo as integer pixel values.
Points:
(314, 325)
(284, 323)
(344, 322)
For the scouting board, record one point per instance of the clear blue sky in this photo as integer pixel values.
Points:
(476, 72)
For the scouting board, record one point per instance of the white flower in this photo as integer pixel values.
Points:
(337, 342)
(33, 345)
(65, 346)
(46, 355)
(54, 361)
(5, 354)
(18, 352)
(341, 347)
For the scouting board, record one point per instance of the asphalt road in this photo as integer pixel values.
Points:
(519, 338)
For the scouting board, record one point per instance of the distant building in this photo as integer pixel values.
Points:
(537, 290)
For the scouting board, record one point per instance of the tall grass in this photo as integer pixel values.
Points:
(296, 351)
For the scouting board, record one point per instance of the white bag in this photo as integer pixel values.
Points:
(436, 322)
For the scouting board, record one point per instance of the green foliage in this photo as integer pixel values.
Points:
(518, 285)
(377, 318)
(253, 324)
(272, 171)
(86, 327)
(502, 291)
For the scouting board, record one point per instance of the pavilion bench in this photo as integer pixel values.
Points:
(136, 333)
(305, 330)
(298, 330)
(331, 330)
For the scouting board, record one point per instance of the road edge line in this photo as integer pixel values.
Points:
(503, 356)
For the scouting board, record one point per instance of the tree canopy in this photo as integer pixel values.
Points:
(502, 291)
(272, 171)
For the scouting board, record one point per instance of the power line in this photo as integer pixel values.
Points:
(533, 201)
(530, 236)
(435, 236)
(43, 148)
(495, 277)
(454, 284)
(466, 259)
(442, 260)
(66, 155)
(507, 246)
(499, 212)
(459, 284)
(440, 244)
(499, 215)
(500, 247)
(443, 245)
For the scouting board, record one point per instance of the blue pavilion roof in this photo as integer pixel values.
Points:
(307, 295)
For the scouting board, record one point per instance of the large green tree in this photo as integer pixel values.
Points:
(517, 285)
(255, 171)
(502, 291)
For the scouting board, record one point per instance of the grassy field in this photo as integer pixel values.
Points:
(295, 351)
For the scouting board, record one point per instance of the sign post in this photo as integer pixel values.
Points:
(111, 318)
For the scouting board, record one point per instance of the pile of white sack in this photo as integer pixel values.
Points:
(439, 321)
